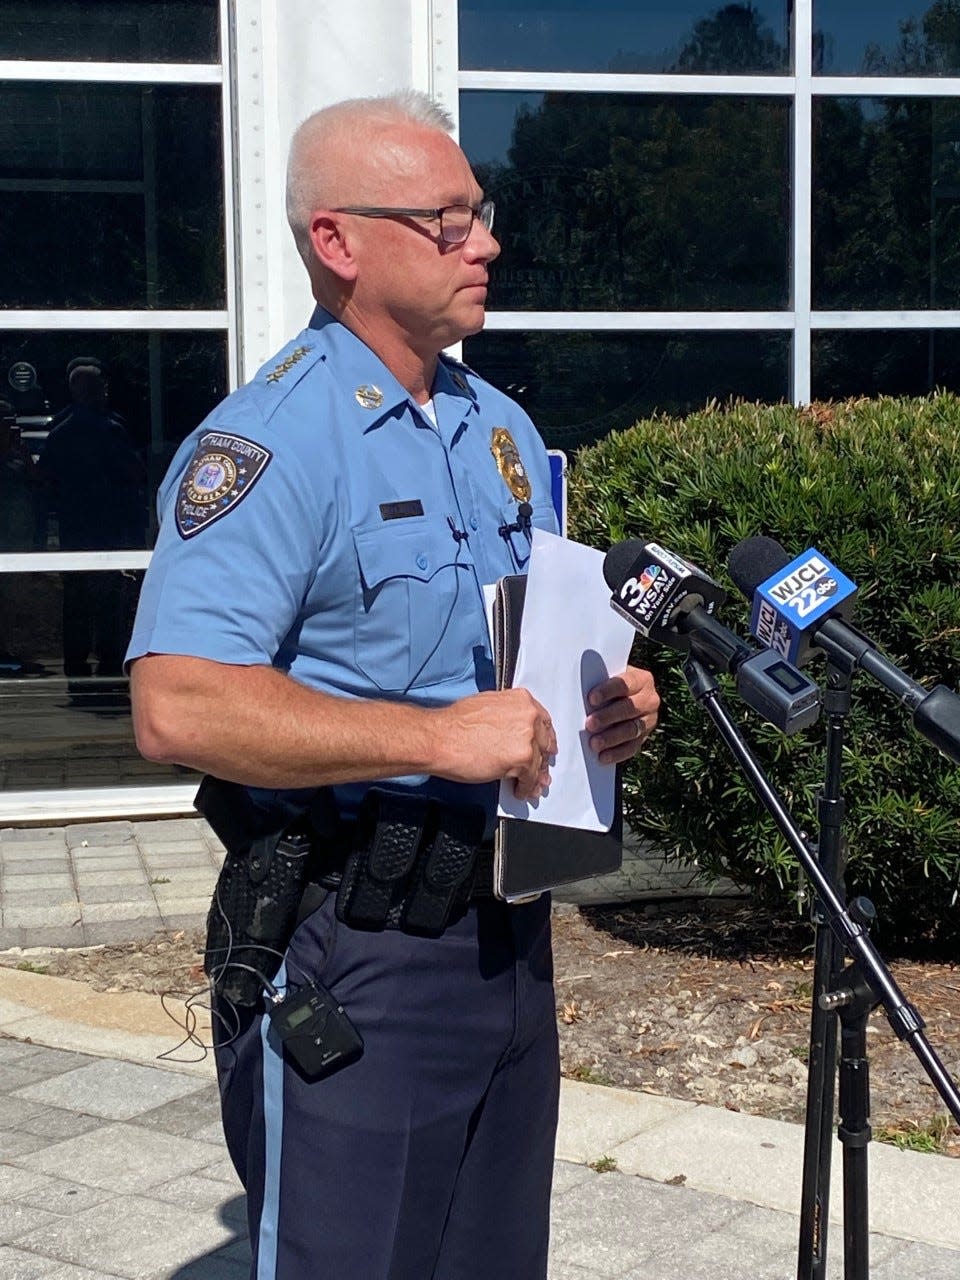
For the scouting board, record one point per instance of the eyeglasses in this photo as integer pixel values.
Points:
(456, 220)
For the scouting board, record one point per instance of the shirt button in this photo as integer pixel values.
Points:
(474, 522)
(422, 561)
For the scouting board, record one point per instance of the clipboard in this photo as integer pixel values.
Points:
(530, 858)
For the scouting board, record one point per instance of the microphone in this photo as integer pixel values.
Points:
(671, 602)
(800, 606)
(521, 524)
(791, 598)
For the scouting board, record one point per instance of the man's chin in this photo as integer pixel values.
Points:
(475, 323)
(464, 328)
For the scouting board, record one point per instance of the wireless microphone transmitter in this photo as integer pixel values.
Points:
(316, 1033)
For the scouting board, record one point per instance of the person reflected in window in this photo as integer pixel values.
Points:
(94, 482)
(18, 532)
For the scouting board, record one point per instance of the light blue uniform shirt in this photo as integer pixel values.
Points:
(319, 522)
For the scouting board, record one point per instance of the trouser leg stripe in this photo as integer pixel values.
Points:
(273, 1141)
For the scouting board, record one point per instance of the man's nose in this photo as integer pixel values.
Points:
(481, 244)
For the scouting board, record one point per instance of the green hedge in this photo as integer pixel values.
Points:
(875, 485)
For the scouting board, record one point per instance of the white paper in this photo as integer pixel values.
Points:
(570, 640)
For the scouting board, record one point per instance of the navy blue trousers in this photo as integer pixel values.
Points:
(431, 1157)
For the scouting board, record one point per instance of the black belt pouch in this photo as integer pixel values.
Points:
(268, 863)
(412, 865)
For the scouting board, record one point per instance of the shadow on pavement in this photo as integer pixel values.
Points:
(231, 1261)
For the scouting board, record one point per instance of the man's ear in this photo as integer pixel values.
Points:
(332, 248)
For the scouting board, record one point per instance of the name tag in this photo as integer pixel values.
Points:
(400, 510)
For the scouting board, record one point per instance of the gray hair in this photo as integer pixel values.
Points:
(303, 182)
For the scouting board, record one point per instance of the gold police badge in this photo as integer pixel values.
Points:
(510, 464)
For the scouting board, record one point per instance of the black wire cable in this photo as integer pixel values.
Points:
(450, 612)
(193, 1001)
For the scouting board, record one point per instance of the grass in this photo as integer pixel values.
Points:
(28, 966)
(588, 1075)
(159, 880)
(929, 1137)
(605, 1164)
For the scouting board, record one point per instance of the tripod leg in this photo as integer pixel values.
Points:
(818, 1136)
(828, 958)
(855, 1133)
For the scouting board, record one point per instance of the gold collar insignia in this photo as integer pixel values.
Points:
(369, 396)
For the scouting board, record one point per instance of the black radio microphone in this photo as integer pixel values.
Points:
(521, 524)
(794, 618)
(671, 601)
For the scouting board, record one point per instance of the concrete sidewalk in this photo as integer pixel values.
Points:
(100, 882)
(112, 1162)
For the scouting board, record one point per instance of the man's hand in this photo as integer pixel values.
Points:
(624, 715)
(498, 735)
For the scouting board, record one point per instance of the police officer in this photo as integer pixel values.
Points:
(313, 616)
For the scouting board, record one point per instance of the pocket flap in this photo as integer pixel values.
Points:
(412, 549)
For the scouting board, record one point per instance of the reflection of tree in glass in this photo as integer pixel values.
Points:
(625, 202)
(622, 201)
(729, 41)
(887, 203)
(615, 201)
(732, 40)
(929, 45)
(887, 213)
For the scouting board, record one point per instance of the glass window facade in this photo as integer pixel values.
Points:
(627, 202)
(625, 36)
(113, 195)
(156, 386)
(886, 231)
(665, 241)
(886, 38)
(64, 706)
(893, 362)
(579, 386)
(798, 231)
(110, 30)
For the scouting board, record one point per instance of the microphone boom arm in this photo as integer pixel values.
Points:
(935, 712)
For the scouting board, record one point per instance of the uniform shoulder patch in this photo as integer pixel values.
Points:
(223, 470)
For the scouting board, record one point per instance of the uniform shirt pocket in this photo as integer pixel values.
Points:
(416, 620)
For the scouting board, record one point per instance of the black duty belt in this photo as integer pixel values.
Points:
(317, 890)
(406, 863)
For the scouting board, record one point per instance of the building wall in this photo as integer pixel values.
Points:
(694, 201)
(303, 56)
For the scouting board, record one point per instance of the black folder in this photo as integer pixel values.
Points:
(531, 857)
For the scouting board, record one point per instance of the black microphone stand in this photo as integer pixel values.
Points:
(828, 958)
(864, 983)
